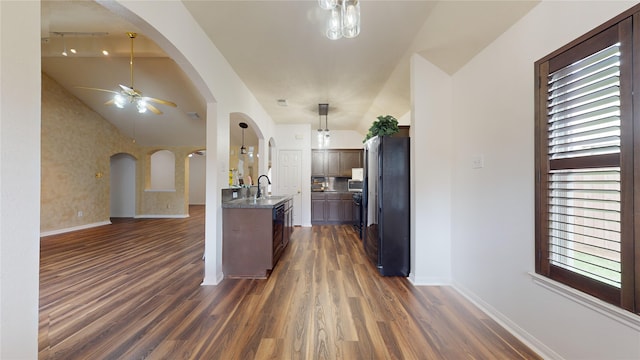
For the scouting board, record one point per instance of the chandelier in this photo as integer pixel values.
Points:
(344, 20)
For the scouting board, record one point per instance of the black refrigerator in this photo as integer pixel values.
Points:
(386, 204)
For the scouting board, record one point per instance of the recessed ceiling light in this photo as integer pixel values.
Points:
(282, 102)
(105, 52)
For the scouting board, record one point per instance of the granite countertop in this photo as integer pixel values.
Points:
(262, 203)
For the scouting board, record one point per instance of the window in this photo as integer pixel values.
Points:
(585, 166)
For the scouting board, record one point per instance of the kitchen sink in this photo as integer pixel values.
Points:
(274, 197)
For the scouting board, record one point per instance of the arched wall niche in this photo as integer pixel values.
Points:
(162, 171)
(244, 168)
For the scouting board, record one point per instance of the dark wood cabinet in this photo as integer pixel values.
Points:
(317, 208)
(255, 238)
(350, 159)
(317, 163)
(331, 208)
(332, 163)
(335, 162)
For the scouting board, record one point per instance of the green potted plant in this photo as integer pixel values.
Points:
(385, 125)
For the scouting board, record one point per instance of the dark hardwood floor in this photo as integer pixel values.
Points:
(132, 290)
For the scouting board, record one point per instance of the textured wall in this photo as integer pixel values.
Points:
(165, 203)
(77, 144)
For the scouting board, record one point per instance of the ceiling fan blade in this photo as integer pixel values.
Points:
(160, 101)
(153, 109)
(97, 89)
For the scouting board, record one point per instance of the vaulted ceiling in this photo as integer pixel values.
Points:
(279, 50)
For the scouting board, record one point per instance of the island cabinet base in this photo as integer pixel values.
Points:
(247, 246)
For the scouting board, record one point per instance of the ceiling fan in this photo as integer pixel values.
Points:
(128, 94)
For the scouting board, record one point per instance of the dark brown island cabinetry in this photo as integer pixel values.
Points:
(335, 162)
(255, 234)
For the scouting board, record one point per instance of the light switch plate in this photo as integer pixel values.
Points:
(477, 162)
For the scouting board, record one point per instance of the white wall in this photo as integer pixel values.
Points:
(19, 178)
(431, 155)
(297, 137)
(197, 180)
(493, 207)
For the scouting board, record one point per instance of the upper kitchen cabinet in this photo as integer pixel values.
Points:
(318, 163)
(332, 163)
(350, 159)
(335, 162)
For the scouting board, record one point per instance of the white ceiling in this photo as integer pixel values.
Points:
(278, 49)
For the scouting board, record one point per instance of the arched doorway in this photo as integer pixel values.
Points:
(123, 186)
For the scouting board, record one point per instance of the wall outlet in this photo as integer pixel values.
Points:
(168, 206)
(80, 213)
(477, 162)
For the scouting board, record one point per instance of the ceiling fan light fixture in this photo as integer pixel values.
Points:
(128, 94)
(119, 101)
(142, 106)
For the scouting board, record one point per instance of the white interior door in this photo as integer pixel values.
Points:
(290, 179)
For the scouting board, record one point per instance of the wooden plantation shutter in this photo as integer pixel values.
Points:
(583, 128)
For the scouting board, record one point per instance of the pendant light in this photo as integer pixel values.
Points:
(344, 18)
(243, 150)
(324, 136)
(64, 51)
(320, 132)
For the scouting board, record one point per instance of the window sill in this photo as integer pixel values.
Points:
(622, 316)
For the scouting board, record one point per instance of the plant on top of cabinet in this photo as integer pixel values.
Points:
(385, 125)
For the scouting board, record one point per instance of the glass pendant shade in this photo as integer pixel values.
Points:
(344, 18)
(334, 24)
(350, 18)
(327, 4)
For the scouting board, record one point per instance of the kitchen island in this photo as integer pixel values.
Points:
(255, 234)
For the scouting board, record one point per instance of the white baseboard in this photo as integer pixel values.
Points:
(207, 282)
(533, 343)
(152, 216)
(428, 281)
(73, 228)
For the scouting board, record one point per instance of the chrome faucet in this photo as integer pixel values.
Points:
(259, 193)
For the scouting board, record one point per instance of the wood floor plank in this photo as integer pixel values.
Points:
(131, 290)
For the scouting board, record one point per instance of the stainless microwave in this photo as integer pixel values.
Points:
(354, 185)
